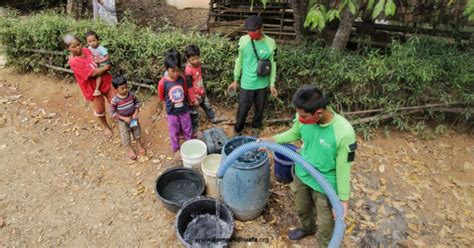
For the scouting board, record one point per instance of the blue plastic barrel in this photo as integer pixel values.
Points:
(245, 187)
(283, 165)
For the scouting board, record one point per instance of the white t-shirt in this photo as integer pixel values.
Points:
(100, 51)
(105, 12)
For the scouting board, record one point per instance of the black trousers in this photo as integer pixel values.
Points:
(247, 98)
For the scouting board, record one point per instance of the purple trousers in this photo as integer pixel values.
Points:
(176, 125)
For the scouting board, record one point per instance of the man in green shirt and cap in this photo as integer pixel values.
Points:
(329, 144)
(254, 48)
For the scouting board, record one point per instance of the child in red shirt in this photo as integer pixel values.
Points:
(194, 69)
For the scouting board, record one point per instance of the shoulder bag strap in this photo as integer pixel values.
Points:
(254, 49)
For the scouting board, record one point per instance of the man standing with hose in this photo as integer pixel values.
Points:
(329, 145)
(255, 69)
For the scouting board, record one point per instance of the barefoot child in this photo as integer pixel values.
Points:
(101, 56)
(124, 107)
(173, 89)
(193, 68)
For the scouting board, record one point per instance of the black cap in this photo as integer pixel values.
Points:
(253, 22)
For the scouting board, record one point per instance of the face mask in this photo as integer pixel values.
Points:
(255, 35)
(313, 119)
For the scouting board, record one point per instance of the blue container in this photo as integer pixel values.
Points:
(283, 165)
(245, 185)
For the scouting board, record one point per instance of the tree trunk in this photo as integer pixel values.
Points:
(119, 9)
(343, 31)
(300, 10)
(75, 8)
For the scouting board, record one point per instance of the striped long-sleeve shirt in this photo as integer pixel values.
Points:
(124, 106)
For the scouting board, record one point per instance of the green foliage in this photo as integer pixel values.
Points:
(390, 8)
(135, 52)
(378, 9)
(370, 4)
(264, 2)
(352, 7)
(469, 11)
(316, 18)
(414, 73)
(321, 12)
(366, 131)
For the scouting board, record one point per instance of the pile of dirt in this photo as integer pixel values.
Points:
(160, 16)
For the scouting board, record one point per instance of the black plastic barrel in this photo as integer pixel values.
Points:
(206, 206)
(177, 185)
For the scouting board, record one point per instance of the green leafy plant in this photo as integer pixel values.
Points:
(417, 72)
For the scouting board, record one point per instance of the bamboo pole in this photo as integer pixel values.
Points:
(234, 31)
(39, 51)
(384, 117)
(431, 105)
(441, 107)
(70, 71)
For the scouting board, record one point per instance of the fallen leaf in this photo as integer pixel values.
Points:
(382, 210)
(413, 227)
(442, 233)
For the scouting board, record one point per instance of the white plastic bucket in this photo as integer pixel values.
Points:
(193, 152)
(209, 166)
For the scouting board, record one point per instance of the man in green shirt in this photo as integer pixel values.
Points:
(253, 47)
(329, 144)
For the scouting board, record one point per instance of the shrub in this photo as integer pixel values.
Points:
(417, 72)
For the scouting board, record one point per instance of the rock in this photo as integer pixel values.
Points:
(388, 231)
(467, 166)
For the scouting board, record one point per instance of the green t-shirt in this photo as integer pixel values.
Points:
(330, 148)
(245, 69)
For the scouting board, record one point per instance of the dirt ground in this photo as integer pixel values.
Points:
(64, 184)
(161, 16)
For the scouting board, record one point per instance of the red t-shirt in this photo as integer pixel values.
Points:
(196, 73)
(82, 68)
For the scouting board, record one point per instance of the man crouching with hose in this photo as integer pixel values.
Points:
(329, 145)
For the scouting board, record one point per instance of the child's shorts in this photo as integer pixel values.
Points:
(125, 132)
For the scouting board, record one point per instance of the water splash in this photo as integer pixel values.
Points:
(202, 231)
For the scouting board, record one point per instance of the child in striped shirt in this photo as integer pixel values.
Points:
(124, 107)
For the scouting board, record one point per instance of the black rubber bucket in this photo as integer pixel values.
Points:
(200, 207)
(175, 186)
